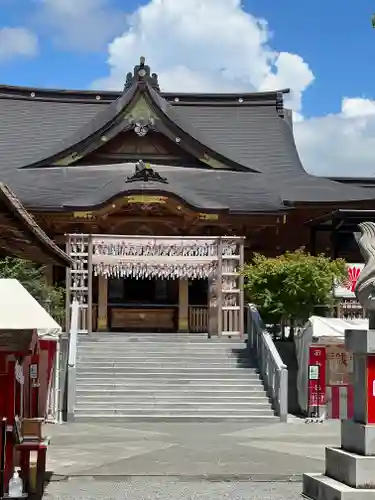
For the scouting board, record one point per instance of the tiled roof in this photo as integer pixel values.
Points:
(237, 192)
(22, 237)
(248, 129)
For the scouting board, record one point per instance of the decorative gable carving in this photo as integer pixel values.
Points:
(142, 126)
(144, 173)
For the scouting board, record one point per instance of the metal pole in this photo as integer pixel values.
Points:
(89, 285)
(57, 389)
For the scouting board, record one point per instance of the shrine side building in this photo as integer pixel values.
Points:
(154, 188)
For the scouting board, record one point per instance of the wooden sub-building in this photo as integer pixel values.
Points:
(151, 189)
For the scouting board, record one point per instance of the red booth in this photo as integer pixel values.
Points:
(26, 363)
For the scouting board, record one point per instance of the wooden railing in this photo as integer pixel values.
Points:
(231, 321)
(198, 319)
(350, 309)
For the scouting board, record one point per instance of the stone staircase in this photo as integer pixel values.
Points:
(167, 377)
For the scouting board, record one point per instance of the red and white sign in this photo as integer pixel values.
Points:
(346, 290)
(317, 386)
(334, 389)
(339, 365)
(339, 402)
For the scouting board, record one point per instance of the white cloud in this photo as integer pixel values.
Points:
(86, 25)
(17, 41)
(213, 46)
(205, 45)
(341, 144)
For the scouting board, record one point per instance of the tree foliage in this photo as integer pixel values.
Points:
(32, 278)
(292, 285)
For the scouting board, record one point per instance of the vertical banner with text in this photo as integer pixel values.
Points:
(317, 380)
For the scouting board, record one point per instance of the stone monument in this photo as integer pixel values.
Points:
(350, 470)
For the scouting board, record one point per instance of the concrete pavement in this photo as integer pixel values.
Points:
(217, 451)
(166, 489)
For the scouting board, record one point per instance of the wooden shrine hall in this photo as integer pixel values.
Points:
(156, 189)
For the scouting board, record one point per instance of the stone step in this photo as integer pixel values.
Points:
(188, 398)
(175, 352)
(158, 337)
(124, 356)
(174, 411)
(175, 405)
(168, 377)
(167, 360)
(173, 382)
(319, 486)
(167, 370)
(201, 344)
(151, 344)
(162, 366)
(203, 393)
(87, 418)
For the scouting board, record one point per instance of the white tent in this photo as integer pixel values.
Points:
(323, 331)
(20, 311)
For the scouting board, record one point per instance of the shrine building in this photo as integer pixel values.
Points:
(159, 198)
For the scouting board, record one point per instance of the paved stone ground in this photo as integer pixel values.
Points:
(222, 451)
(152, 489)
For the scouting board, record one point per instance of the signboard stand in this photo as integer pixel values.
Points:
(316, 383)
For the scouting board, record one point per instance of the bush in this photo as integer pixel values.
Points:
(290, 286)
(32, 278)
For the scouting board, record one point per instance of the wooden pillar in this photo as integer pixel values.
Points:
(48, 274)
(183, 306)
(102, 304)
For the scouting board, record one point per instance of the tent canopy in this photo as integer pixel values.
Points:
(324, 331)
(20, 311)
(329, 330)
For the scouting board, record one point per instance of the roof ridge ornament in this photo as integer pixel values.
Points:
(144, 173)
(142, 73)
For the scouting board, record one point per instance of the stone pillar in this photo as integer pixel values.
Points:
(102, 304)
(350, 470)
(183, 306)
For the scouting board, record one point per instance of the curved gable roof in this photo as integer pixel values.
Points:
(115, 118)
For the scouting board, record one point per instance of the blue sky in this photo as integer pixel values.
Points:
(327, 49)
(334, 37)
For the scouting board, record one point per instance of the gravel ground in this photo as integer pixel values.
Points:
(164, 489)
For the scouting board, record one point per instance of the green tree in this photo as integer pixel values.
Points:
(32, 278)
(290, 286)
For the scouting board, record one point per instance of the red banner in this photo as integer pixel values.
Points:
(371, 389)
(317, 385)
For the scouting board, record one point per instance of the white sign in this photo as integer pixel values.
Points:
(346, 290)
(18, 372)
(33, 371)
(313, 372)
